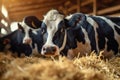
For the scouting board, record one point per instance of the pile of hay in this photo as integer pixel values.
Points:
(36, 68)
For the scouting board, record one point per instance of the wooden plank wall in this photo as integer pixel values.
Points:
(93, 3)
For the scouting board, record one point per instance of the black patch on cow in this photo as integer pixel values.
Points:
(117, 29)
(65, 50)
(20, 28)
(91, 34)
(59, 35)
(43, 28)
(75, 25)
(79, 35)
(37, 39)
(71, 39)
(105, 31)
(77, 18)
(115, 20)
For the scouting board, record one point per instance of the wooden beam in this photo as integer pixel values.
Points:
(108, 10)
(82, 4)
(94, 7)
(67, 3)
(32, 2)
(18, 16)
(23, 3)
(86, 2)
(72, 8)
(25, 8)
(78, 5)
(63, 9)
(32, 11)
(115, 15)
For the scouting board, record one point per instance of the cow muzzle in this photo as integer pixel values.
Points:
(27, 41)
(49, 51)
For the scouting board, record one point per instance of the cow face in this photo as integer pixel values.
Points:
(53, 24)
(25, 29)
(30, 24)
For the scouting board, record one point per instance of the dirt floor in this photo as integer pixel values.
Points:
(39, 68)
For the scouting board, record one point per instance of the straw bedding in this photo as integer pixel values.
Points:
(38, 68)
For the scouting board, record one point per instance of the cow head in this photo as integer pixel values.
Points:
(28, 25)
(53, 24)
(25, 29)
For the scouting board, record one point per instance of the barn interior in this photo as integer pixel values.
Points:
(36, 68)
(16, 10)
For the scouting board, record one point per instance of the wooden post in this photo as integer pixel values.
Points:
(78, 6)
(94, 7)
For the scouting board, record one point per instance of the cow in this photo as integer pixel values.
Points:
(32, 24)
(13, 43)
(26, 38)
(80, 33)
(36, 38)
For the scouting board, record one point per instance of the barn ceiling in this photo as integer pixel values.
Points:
(18, 9)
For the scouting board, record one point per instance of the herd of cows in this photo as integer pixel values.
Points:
(63, 35)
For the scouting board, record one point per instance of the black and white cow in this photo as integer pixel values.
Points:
(33, 39)
(80, 33)
(13, 43)
(26, 38)
(30, 23)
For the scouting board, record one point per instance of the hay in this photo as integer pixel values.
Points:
(37, 68)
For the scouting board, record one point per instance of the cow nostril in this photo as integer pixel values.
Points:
(53, 49)
(27, 41)
(44, 48)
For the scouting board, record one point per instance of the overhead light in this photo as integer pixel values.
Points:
(4, 11)
(14, 26)
(3, 31)
(4, 22)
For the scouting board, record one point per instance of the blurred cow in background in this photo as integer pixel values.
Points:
(25, 39)
(80, 33)
(13, 43)
(30, 23)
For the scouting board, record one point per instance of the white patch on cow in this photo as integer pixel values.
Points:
(83, 49)
(107, 54)
(34, 32)
(95, 26)
(26, 29)
(35, 50)
(112, 24)
(68, 17)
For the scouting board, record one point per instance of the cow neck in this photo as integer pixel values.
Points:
(64, 41)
